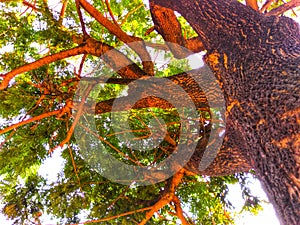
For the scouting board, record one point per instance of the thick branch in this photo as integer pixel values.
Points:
(283, 8)
(169, 28)
(252, 4)
(212, 24)
(137, 44)
(115, 59)
(113, 28)
(179, 211)
(166, 198)
(267, 4)
(39, 63)
(191, 89)
(229, 159)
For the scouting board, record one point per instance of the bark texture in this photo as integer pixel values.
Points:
(256, 59)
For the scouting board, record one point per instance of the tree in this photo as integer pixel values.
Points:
(253, 53)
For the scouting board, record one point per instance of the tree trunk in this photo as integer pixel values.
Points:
(257, 62)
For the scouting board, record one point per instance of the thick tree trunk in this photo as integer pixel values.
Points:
(257, 61)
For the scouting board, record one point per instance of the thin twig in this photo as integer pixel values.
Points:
(131, 12)
(6, 139)
(62, 12)
(120, 196)
(114, 217)
(76, 119)
(81, 64)
(110, 12)
(30, 5)
(75, 167)
(110, 145)
(85, 34)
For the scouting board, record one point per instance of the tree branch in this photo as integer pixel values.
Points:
(283, 8)
(134, 43)
(131, 12)
(112, 28)
(115, 217)
(183, 80)
(30, 5)
(115, 59)
(36, 118)
(63, 11)
(166, 198)
(85, 34)
(110, 12)
(81, 65)
(252, 4)
(110, 145)
(169, 28)
(75, 167)
(267, 4)
(41, 62)
(76, 119)
(179, 211)
(228, 160)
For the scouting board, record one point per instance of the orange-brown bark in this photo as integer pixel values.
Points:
(63, 11)
(265, 6)
(30, 5)
(124, 65)
(283, 8)
(166, 198)
(36, 118)
(137, 43)
(179, 211)
(252, 4)
(110, 12)
(168, 26)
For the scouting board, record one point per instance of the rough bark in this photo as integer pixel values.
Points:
(256, 60)
(167, 25)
